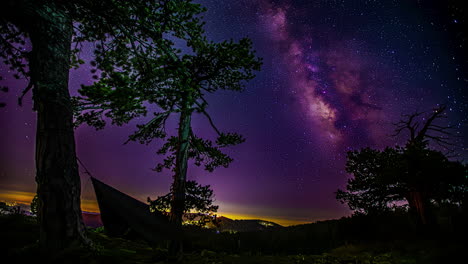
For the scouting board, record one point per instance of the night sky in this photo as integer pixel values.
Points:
(336, 75)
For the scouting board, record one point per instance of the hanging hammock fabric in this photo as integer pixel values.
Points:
(121, 213)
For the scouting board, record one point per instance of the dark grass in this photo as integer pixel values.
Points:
(19, 236)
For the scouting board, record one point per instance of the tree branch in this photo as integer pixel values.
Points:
(24, 92)
(202, 109)
(437, 113)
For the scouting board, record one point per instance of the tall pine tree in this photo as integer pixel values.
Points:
(125, 33)
(181, 86)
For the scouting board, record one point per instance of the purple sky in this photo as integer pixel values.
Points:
(336, 74)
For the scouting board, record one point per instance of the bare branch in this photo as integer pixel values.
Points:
(202, 109)
(441, 135)
(440, 130)
(437, 114)
(24, 92)
(409, 124)
(441, 141)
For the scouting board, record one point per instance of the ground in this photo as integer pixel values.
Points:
(19, 237)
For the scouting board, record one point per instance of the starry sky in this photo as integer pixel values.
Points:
(336, 75)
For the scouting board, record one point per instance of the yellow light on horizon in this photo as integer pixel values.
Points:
(25, 198)
(16, 196)
(88, 205)
(281, 221)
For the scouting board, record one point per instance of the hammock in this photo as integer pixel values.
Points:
(121, 213)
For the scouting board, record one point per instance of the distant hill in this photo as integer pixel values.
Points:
(225, 224)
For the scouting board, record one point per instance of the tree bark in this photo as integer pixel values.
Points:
(57, 177)
(180, 177)
(420, 207)
(417, 206)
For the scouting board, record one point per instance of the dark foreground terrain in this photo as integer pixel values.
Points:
(19, 234)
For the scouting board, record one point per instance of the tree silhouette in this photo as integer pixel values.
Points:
(126, 33)
(421, 132)
(180, 86)
(425, 168)
(413, 173)
(374, 187)
(198, 207)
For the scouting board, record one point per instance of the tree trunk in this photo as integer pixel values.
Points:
(58, 181)
(416, 204)
(420, 206)
(180, 177)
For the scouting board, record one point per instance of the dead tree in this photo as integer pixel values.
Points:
(422, 128)
(425, 131)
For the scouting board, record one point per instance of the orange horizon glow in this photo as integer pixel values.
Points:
(25, 198)
(16, 197)
(280, 221)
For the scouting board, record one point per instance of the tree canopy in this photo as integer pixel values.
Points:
(372, 188)
(198, 208)
(381, 179)
(181, 83)
(125, 34)
(179, 86)
(416, 174)
(40, 40)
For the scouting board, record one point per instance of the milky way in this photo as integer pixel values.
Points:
(338, 88)
(336, 74)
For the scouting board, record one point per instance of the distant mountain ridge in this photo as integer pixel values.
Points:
(225, 224)
(245, 225)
